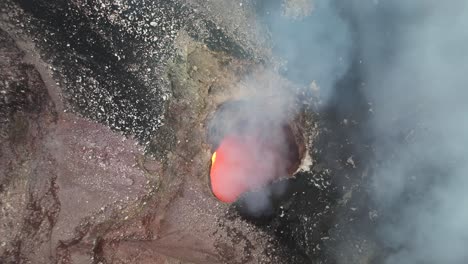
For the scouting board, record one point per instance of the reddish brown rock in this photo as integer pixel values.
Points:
(74, 191)
(62, 175)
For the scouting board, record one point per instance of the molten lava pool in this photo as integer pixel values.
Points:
(243, 163)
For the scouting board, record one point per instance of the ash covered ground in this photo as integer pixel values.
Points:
(104, 112)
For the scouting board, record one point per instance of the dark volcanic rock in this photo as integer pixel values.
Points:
(60, 173)
(29, 202)
(110, 57)
(77, 192)
(76, 185)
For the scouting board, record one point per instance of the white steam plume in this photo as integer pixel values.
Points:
(415, 56)
(414, 63)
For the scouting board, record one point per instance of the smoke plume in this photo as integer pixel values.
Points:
(312, 39)
(413, 58)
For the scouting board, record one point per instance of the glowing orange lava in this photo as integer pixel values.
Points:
(240, 165)
(213, 159)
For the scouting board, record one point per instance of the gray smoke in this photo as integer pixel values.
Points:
(257, 120)
(312, 38)
(270, 101)
(413, 57)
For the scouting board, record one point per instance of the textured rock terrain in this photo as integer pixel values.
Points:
(104, 156)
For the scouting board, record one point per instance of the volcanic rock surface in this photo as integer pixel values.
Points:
(103, 149)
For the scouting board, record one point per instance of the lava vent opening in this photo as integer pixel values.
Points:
(254, 149)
